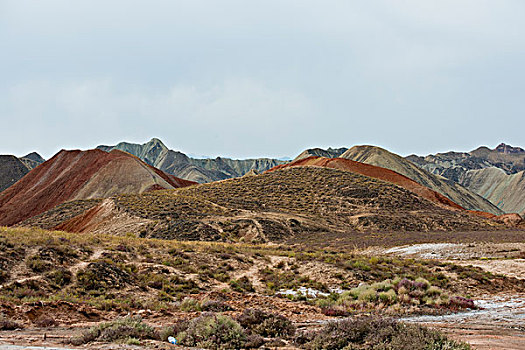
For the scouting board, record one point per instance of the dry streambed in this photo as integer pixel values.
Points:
(499, 323)
(498, 258)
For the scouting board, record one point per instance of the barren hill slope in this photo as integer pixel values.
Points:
(475, 170)
(12, 169)
(177, 163)
(505, 191)
(73, 175)
(272, 206)
(385, 159)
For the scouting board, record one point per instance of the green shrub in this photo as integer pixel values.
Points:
(60, 277)
(121, 329)
(8, 324)
(383, 286)
(38, 265)
(215, 306)
(369, 295)
(392, 293)
(132, 341)
(434, 291)
(423, 282)
(242, 284)
(190, 305)
(212, 331)
(389, 297)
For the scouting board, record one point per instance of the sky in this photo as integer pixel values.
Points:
(268, 78)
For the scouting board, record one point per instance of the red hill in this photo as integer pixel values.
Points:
(377, 173)
(72, 175)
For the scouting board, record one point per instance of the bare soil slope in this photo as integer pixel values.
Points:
(505, 191)
(73, 175)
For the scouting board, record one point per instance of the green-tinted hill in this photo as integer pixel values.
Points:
(506, 191)
(270, 207)
(494, 174)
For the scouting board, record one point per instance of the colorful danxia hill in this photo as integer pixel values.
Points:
(139, 245)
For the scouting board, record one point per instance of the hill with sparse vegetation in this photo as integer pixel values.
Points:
(273, 206)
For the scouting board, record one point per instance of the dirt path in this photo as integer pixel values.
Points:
(83, 264)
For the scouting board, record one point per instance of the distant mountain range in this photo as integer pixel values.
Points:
(155, 153)
(319, 152)
(496, 174)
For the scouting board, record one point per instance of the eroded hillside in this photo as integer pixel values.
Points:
(74, 175)
(270, 207)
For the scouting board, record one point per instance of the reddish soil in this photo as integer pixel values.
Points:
(511, 219)
(65, 177)
(377, 173)
(84, 221)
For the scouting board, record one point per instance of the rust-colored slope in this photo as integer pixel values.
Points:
(377, 173)
(78, 174)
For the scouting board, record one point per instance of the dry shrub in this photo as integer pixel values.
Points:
(376, 333)
(7, 324)
(46, 322)
(211, 331)
(120, 329)
(266, 324)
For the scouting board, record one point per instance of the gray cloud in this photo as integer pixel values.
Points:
(253, 78)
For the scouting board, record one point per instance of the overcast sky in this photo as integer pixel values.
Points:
(261, 78)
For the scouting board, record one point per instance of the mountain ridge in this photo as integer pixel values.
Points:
(272, 206)
(13, 168)
(380, 157)
(468, 168)
(155, 153)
